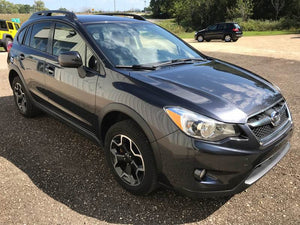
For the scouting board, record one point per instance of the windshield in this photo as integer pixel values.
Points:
(127, 44)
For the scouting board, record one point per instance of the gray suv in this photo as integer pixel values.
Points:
(164, 113)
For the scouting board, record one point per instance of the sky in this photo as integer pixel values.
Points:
(80, 5)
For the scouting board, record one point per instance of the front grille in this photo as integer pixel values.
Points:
(266, 128)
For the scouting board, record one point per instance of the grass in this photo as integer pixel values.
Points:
(23, 17)
(171, 25)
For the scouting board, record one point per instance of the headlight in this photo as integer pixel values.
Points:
(198, 126)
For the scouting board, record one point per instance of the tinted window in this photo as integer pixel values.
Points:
(17, 26)
(10, 26)
(28, 34)
(40, 35)
(3, 25)
(21, 35)
(212, 27)
(220, 26)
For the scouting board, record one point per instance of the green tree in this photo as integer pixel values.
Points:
(39, 5)
(243, 9)
(278, 6)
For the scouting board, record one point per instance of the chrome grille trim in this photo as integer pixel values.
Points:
(261, 124)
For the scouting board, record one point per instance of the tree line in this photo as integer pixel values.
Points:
(7, 7)
(200, 13)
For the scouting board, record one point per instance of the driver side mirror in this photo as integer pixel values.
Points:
(70, 59)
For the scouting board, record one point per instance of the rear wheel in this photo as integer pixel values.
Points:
(227, 38)
(130, 157)
(200, 38)
(234, 40)
(24, 104)
(208, 40)
(7, 42)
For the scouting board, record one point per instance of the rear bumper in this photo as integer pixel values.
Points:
(230, 170)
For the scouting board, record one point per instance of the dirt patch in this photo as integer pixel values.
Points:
(277, 46)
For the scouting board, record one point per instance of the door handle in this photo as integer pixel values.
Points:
(50, 70)
(22, 56)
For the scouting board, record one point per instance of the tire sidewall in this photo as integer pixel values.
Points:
(201, 40)
(131, 130)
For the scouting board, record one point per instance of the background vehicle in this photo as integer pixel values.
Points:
(8, 30)
(164, 112)
(225, 31)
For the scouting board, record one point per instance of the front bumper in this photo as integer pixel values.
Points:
(231, 166)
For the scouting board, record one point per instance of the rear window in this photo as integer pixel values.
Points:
(10, 26)
(3, 25)
(237, 26)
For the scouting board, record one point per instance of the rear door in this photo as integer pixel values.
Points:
(32, 56)
(220, 31)
(71, 91)
(211, 32)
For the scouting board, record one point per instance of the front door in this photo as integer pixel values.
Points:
(71, 91)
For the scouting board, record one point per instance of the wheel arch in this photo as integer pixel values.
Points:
(116, 112)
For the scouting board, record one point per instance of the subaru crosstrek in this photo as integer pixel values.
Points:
(164, 112)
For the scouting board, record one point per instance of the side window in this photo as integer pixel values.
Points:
(67, 39)
(21, 35)
(212, 27)
(220, 27)
(28, 34)
(3, 25)
(10, 25)
(40, 35)
(17, 26)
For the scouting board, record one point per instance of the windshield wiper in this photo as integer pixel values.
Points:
(136, 67)
(179, 61)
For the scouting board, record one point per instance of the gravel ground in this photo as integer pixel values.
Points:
(49, 174)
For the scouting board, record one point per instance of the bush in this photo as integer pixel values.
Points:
(259, 25)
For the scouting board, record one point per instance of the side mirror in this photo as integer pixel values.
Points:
(70, 59)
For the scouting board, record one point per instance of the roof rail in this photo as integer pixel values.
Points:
(68, 14)
(136, 17)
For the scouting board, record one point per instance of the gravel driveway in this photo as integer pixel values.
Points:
(49, 174)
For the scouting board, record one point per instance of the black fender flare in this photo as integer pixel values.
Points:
(13, 67)
(117, 107)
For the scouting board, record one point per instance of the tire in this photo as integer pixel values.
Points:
(234, 40)
(208, 40)
(133, 167)
(227, 38)
(22, 100)
(7, 42)
(200, 38)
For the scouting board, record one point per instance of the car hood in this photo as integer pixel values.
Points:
(214, 88)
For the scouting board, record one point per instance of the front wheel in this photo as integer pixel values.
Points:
(130, 157)
(200, 38)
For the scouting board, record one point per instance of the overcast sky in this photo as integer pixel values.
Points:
(79, 5)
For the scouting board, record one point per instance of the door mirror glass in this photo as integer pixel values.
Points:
(70, 59)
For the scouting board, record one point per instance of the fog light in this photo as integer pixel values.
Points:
(199, 174)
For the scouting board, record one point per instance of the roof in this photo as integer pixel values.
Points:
(97, 18)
